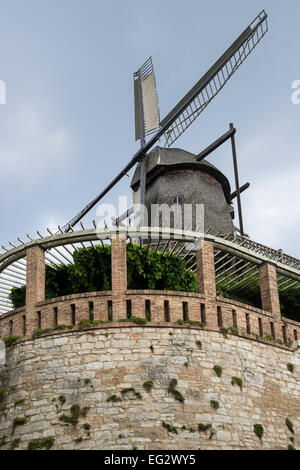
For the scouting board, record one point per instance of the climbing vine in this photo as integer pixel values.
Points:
(91, 271)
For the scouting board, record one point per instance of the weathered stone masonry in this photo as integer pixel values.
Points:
(115, 359)
(89, 367)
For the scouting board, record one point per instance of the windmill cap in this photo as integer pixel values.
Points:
(163, 159)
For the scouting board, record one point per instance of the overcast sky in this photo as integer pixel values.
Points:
(67, 128)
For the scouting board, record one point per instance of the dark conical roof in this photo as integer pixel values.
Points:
(161, 159)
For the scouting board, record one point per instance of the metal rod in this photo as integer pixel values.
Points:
(242, 189)
(220, 141)
(237, 184)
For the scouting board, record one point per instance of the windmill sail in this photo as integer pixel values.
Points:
(145, 100)
(189, 108)
(196, 100)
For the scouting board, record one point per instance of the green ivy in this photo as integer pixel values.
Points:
(91, 272)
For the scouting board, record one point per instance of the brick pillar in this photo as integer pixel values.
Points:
(35, 277)
(118, 276)
(269, 289)
(206, 275)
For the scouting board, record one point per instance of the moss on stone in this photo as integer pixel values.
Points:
(10, 340)
(237, 381)
(170, 428)
(289, 425)
(148, 385)
(172, 390)
(214, 404)
(15, 443)
(258, 430)
(218, 370)
(204, 427)
(44, 443)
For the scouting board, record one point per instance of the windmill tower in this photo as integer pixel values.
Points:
(164, 161)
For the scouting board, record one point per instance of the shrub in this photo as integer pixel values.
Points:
(131, 389)
(86, 426)
(191, 322)
(45, 443)
(20, 402)
(215, 404)
(290, 367)
(170, 428)
(136, 320)
(290, 303)
(233, 330)
(269, 338)
(204, 427)
(224, 331)
(258, 430)
(147, 269)
(91, 272)
(148, 385)
(17, 296)
(9, 340)
(86, 323)
(76, 413)
(291, 447)
(172, 390)
(218, 370)
(237, 381)
(39, 331)
(289, 425)
(15, 443)
(62, 399)
(87, 381)
(199, 344)
(18, 421)
(113, 398)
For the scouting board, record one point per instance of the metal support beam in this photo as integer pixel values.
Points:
(220, 141)
(242, 189)
(237, 184)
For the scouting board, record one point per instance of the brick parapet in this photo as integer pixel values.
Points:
(160, 307)
(246, 317)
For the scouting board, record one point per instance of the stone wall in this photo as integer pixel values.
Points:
(50, 374)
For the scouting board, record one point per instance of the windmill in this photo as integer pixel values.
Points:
(184, 113)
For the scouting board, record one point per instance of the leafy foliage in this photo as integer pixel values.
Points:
(91, 272)
(258, 430)
(237, 381)
(214, 404)
(289, 425)
(9, 340)
(170, 428)
(218, 370)
(290, 304)
(38, 444)
(172, 390)
(149, 270)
